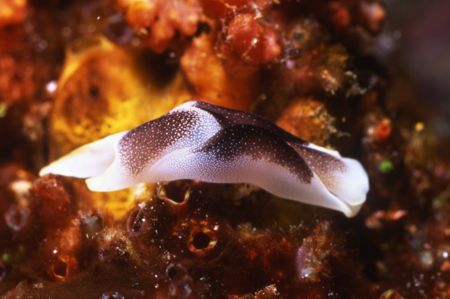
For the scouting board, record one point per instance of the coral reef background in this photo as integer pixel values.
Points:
(367, 78)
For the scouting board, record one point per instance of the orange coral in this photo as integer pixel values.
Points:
(160, 21)
(53, 202)
(309, 120)
(313, 62)
(250, 41)
(12, 12)
(372, 15)
(227, 84)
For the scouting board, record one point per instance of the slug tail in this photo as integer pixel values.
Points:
(344, 178)
(351, 185)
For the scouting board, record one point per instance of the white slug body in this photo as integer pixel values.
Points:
(201, 141)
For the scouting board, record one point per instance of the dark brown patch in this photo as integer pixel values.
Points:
(258, 143)
(228, 117)
(324, 165)
(146, 142)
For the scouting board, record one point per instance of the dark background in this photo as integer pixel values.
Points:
(417, 34)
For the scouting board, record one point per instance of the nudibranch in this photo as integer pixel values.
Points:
(204, 142)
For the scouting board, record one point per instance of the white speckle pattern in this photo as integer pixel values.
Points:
(205, 142)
